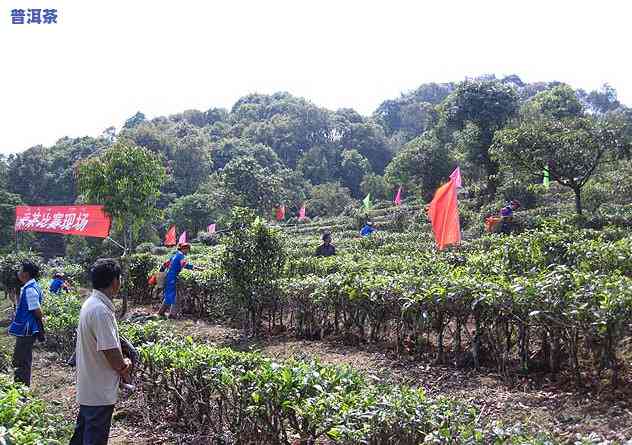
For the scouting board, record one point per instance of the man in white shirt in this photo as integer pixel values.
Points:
(100, 362)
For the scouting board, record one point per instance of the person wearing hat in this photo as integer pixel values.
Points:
(176, 264)
(367, 229)
(506, 216)
(58, 284)
(326, 248)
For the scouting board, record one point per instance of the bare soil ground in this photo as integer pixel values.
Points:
(542, 405)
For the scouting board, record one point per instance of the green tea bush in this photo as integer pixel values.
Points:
(247, 398)
(24, 419)
(137, 269)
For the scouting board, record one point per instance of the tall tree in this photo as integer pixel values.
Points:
(353, 168)
(194, 212)
(559, 102)
(135, 120)
(571, 149)
(126, 179)
(251, 184)
(420, 166)
(487, 104)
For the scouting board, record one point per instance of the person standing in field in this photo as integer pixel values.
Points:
(27, 325)
(326, 248)
(176, 264)
(100, 361)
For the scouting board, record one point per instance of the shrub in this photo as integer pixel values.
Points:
(523, 192)
(138, 268)
(159, 250)
(208, 239)
(144, 248)
(253, 261)
(10, 266)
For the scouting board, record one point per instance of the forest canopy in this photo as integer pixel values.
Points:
(279, 149)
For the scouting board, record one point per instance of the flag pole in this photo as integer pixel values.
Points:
(119, 245)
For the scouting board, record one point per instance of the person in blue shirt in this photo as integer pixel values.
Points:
(58, 284)
(176, 264)
(27, 325)
(367, 229)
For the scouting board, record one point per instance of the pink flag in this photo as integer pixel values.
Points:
(301, 213)
(280, 213)
(211, 228)
(183, 238)
(456, 177)
(398, 197)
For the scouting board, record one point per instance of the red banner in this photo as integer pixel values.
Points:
(68, 220)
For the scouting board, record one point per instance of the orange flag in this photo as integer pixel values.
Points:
(170, 237)
(444, 215)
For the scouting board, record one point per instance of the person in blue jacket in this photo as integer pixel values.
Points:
(27, 325)
(58, 284)
(176, 264)
(367, 229)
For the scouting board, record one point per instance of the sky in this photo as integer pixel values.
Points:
(105, 60)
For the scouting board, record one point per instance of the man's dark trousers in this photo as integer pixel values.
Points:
(23, 358)
(93, 425)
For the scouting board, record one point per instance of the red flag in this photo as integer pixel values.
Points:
(301, 213)
(82, 220)
(183, 238)
(170, 237)
(444, 215)
(398, 197)
(211, 228)
(280, 213)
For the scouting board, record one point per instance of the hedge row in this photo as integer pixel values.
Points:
(236, 397)
(554, 298)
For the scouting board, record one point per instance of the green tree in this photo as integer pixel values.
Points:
(328, 199)
(487, 104)
(364, 135)
(559, 102)
(249, 184)
(193, 212)
(253, 260)
(126, 179)
(8, 201)
(421, 166)
(320, 164)
(376, 185)
(135, 120)
(571, 149)
(353, 168)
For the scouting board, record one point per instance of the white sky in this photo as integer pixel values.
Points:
(105, 60)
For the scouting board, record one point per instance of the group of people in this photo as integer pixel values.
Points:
(101, 367)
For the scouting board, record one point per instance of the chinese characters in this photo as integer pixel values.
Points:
(34, 16)
(77, 221)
